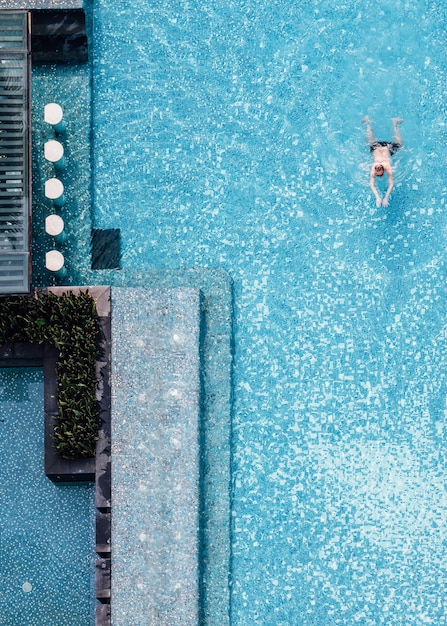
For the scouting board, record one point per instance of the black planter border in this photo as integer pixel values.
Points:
(65, 470)
(58, 469)
(96, 469)
(26, 354)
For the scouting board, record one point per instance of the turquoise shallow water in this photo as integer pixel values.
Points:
(229, 136)
(46, 530)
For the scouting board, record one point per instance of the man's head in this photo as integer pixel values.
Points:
(379, 169)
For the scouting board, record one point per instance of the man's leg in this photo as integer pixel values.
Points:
(369, 134)
(397, 137)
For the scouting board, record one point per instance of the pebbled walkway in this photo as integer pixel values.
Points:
(155, 456)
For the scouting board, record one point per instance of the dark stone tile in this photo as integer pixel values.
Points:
(103, 569)
(103, 479)
(58, 36)
(106, 248)
(103, 615)
(103, 534)
(21, 355)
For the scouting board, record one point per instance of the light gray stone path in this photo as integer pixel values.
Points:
(155, 456)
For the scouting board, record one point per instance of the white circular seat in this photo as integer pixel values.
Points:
(54, 190)
(54, 262)
(54, 115)
(54, 225)
(54, 152)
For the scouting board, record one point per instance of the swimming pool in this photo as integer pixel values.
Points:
(46, 529)
(227, 138)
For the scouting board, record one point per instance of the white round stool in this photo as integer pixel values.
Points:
(54, 190)
(54, 226)
(54, 116)
(54, 262)
(54, 152)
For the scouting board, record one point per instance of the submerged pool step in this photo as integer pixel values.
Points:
(155, 457)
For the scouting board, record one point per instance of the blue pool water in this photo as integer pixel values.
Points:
(46, 530)
(227, 138)
(228, 135)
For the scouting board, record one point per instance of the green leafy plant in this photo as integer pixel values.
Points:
(69, 322)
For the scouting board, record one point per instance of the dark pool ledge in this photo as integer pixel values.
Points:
(155, 446)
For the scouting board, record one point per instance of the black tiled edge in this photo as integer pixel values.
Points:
(103, 615)
(103, 580)
(103, 534)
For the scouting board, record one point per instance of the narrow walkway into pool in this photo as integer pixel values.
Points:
(155, 452)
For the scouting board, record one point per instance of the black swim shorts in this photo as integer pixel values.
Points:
(393, 147)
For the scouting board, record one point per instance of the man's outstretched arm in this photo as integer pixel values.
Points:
(390, 188)
(372, 184)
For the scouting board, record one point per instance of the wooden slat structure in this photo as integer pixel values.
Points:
(15, 157)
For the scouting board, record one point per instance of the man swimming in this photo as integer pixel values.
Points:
(382, 152)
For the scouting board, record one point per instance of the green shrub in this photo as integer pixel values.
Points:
(69, 322)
